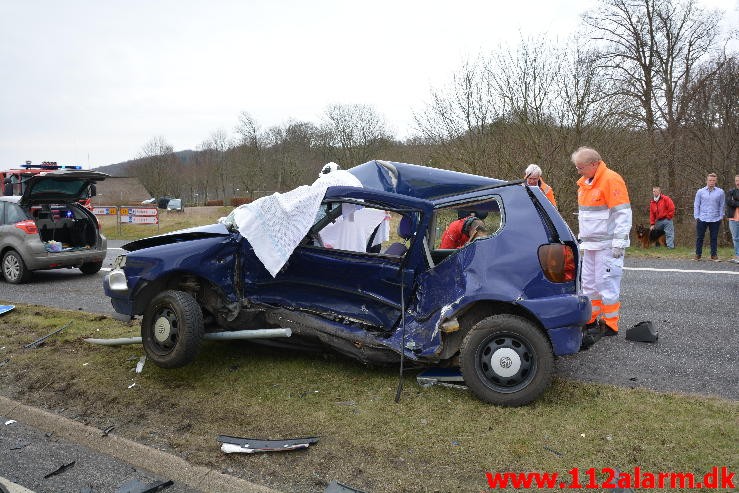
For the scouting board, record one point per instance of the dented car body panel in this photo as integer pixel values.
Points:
(376, 305)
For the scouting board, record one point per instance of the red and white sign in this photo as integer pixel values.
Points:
(140, 219)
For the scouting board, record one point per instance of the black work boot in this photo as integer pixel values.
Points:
(608, 332)
(591, 334)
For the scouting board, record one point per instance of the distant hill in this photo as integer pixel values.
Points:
(123, 169)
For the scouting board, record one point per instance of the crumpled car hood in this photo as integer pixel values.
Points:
(189, 234)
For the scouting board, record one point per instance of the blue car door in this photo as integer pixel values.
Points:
(354, 286)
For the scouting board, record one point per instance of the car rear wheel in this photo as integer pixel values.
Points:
(14, 269)
(172, 329)
(506, 360)
(89, 268)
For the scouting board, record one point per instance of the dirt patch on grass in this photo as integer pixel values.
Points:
(434, 440)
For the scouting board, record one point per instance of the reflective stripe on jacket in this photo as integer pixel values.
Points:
(604, 210)
(547, 191)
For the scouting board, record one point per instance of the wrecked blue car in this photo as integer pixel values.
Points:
(369, 278)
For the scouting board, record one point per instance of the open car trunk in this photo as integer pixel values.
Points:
(66, 227)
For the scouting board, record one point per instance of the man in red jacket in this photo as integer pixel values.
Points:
(661, 212)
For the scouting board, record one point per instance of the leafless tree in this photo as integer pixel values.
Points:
(714, 120)
(158, 168)
(356, 131)
(650, 49)
(215, 162)
(460, 120)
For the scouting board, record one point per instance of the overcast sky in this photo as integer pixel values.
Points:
(90, 82)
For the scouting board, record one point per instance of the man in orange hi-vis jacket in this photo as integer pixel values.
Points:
(605, 221)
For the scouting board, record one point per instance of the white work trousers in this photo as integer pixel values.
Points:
(601, 275)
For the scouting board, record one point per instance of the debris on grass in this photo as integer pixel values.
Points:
(6, 308)
(232, 445)
(38, 342)
(10, 422)
(443, 377)
(140, 364)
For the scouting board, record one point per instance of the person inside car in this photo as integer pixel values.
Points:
(463, 231)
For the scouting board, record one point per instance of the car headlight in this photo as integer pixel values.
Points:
(119, 262)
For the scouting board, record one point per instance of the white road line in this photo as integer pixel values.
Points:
(732, 272)
(115, 248)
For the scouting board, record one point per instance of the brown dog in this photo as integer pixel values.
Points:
(648, 237)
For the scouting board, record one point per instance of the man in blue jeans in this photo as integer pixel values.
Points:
(708, 210)
(732, 212)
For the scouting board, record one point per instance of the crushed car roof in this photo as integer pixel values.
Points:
(418, 181)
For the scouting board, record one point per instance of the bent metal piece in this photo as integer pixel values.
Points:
(231, 445)
(212, 336)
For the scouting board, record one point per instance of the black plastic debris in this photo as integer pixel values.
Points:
(642, 332)
(60, 470)
(41, 340)
(548, 449)
(136, 486)
(444, 377)
(232, 445)
(336, 487)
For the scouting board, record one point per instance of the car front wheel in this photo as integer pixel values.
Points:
(506, 360)
(172, 329)
(89, 268)
(14, 269)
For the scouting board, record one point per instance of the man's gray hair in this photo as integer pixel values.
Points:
(533, 170)
(585, 155)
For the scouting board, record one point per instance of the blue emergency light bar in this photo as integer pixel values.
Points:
(48, 165)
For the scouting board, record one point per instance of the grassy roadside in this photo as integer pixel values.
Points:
(435, 439)
(168, 221)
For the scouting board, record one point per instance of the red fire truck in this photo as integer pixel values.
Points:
(13, 180)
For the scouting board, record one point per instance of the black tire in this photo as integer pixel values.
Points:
(172, 329)
(506, 360)
(14, 268)
(89, 268)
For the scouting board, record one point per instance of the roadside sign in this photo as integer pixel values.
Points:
(139, 211)
(140, 219)
(105, 211)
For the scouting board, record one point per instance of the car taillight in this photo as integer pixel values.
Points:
(28, 226)
(558, 262)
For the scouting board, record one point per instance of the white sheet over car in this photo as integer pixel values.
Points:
(275, 225)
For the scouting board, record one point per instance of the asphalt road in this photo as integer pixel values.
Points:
(693, 306)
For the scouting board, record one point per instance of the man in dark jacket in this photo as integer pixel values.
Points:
(732, 212)
(661, 212)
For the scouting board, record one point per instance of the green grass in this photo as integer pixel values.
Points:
(679, 252)
(435, 439)
(168, 221)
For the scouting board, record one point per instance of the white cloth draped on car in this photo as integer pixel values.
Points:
(275, 225)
